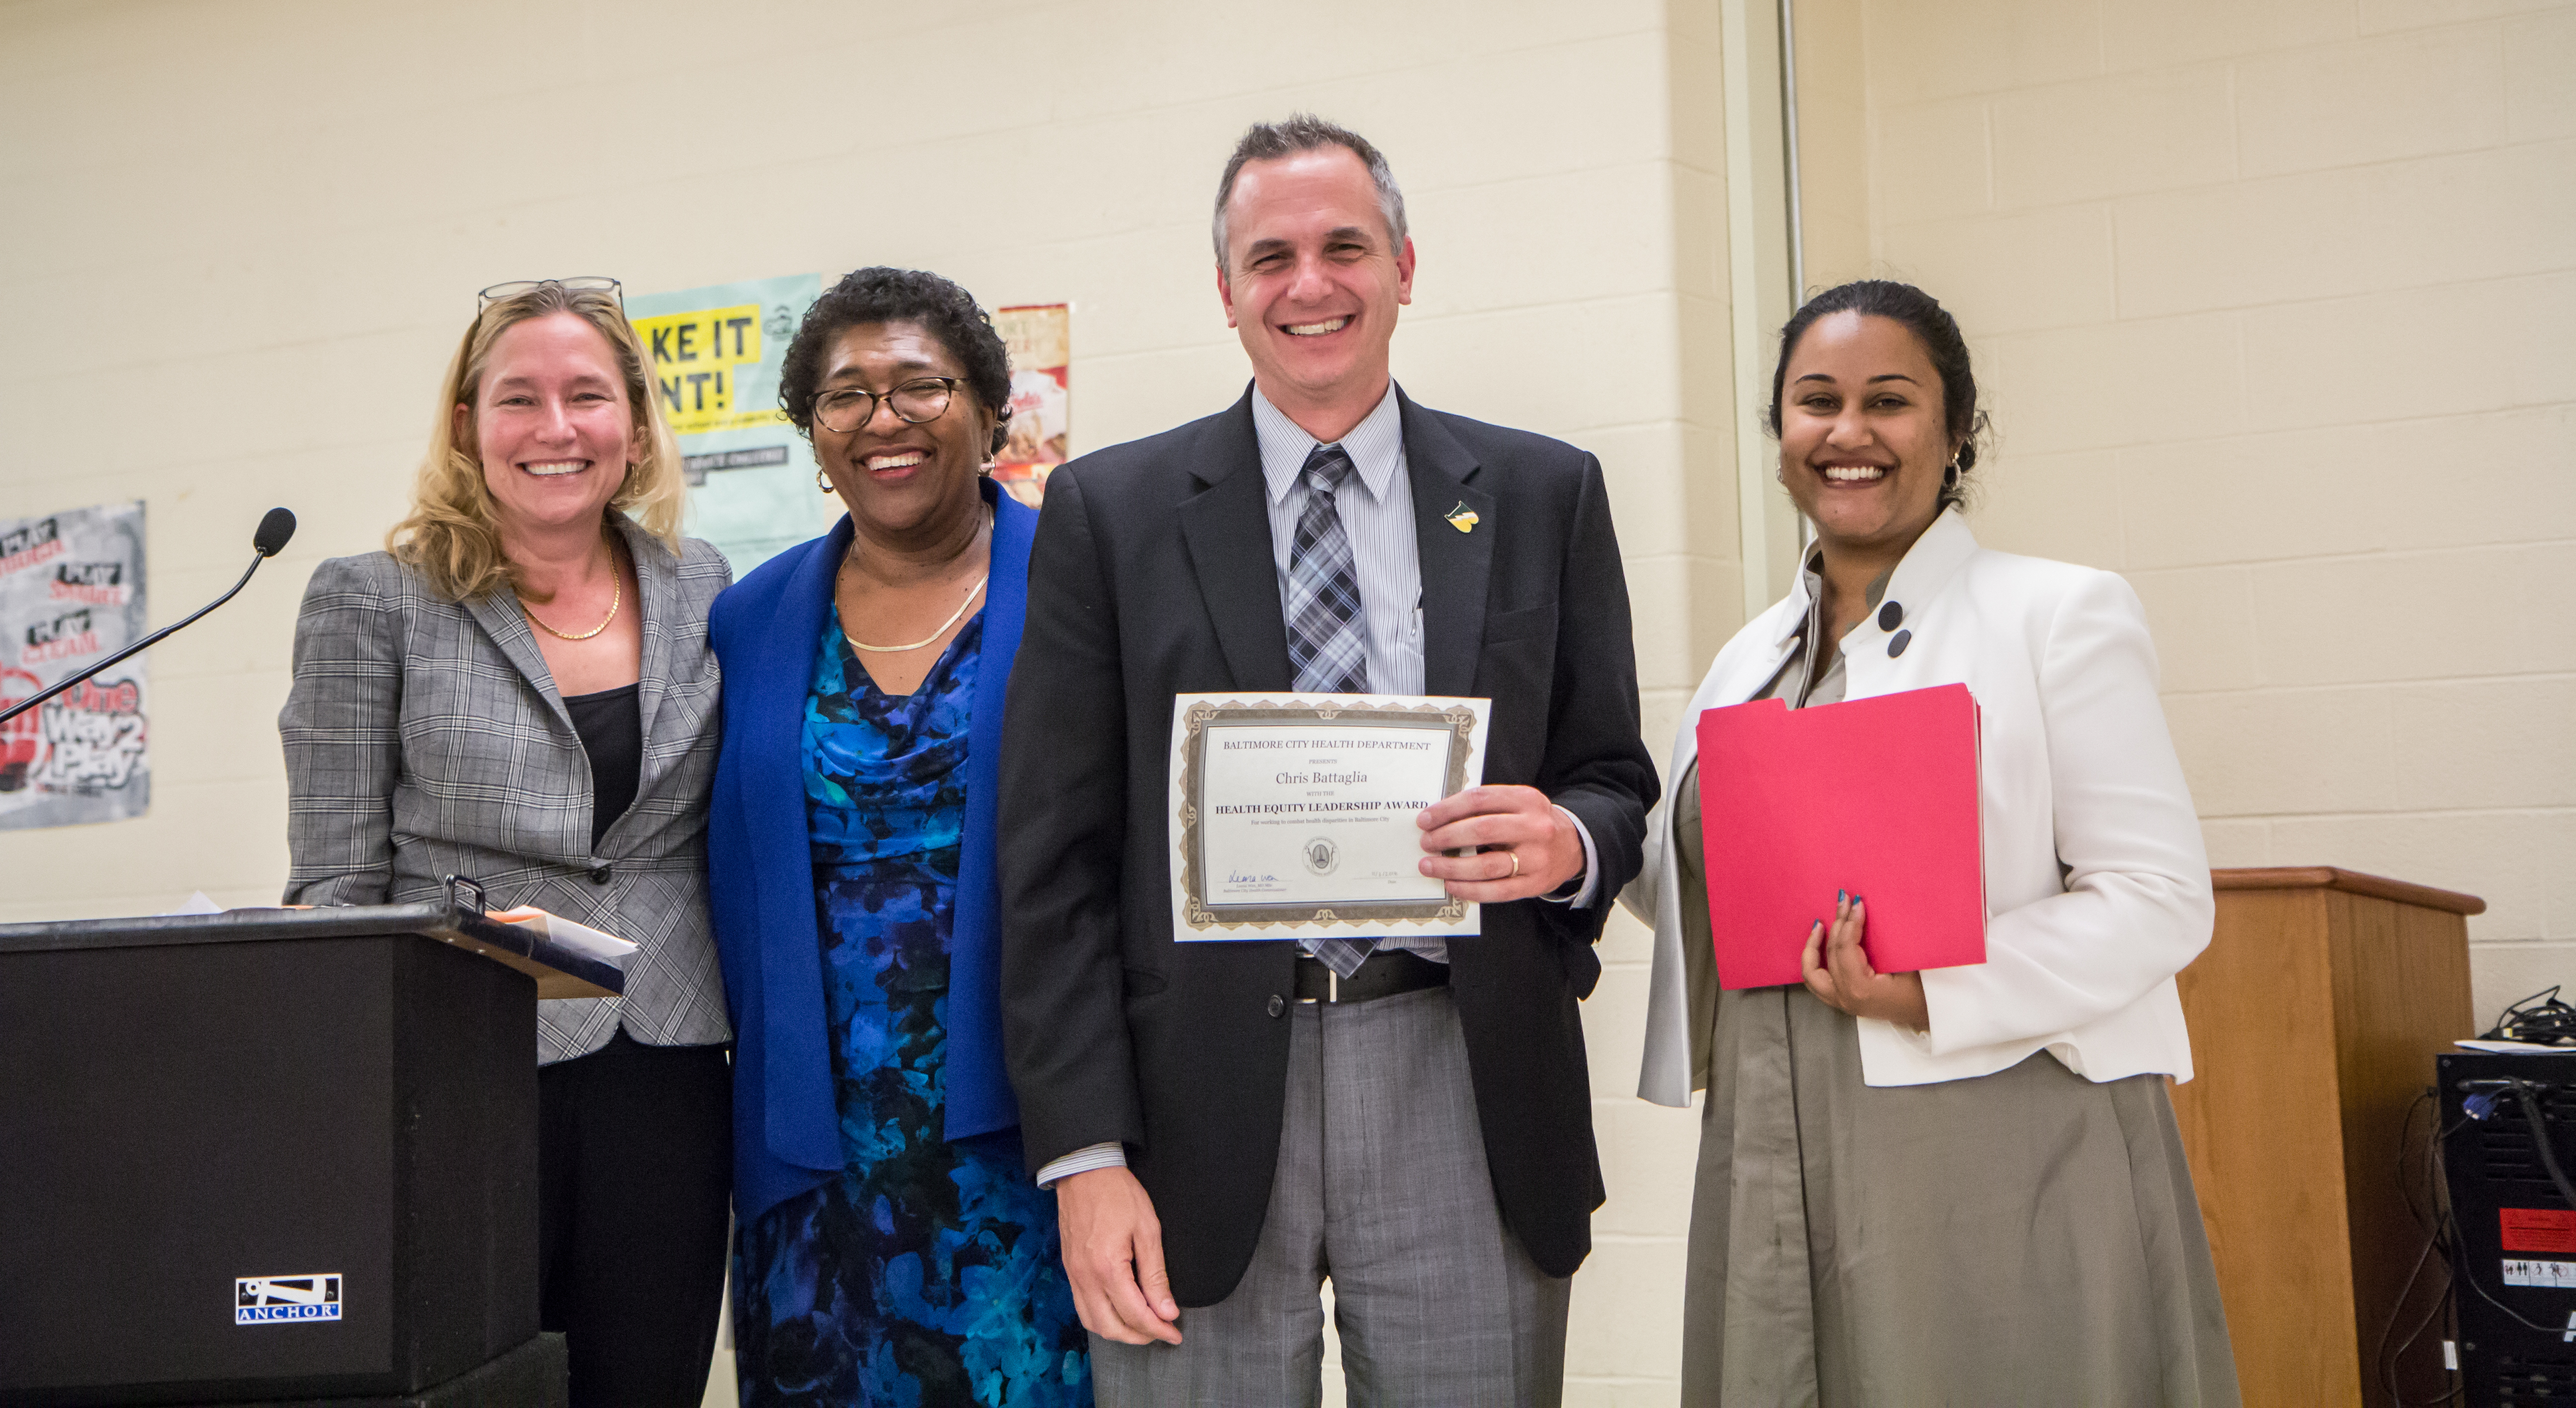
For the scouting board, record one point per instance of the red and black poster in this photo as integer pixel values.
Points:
(71, 594)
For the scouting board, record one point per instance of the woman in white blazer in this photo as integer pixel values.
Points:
(1962, 1186)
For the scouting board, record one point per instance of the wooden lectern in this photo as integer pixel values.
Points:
(2315, 1017)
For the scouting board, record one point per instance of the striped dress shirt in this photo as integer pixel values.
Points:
(1376, 505)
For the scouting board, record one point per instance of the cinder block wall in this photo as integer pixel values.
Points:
(2275, 305)
(250, 234)
(2272, 300)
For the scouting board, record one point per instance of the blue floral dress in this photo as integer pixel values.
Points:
(928, 1273)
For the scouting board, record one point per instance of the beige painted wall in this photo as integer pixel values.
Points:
(251, 233)
(2275, 308)
(2271, 297)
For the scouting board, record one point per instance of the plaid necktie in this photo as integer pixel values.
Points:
(1327, 632)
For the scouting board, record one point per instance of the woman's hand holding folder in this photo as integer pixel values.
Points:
(1878, 793)
(1838, 972)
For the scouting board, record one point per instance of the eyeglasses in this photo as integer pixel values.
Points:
(588, 283)
(916, 401)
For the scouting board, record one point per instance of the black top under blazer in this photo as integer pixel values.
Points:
(1152, 576)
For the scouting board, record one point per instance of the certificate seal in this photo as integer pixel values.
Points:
(1321, 855)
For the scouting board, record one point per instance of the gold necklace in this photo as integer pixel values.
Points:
(925, 640)
(984, 522)
(616, 597)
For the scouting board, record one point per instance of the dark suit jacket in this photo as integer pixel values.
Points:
(787, 1127)
(1152, 575)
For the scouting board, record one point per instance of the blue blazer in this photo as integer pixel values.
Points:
(760, 880)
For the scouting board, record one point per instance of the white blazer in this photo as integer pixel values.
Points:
(2097, 882)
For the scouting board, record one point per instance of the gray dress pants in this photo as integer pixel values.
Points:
(1382, 1187)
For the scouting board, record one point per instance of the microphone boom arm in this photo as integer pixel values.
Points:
(138, 647)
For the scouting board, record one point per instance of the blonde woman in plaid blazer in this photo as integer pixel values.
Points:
(520, 690)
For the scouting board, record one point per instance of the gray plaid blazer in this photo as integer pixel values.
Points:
(424, 738)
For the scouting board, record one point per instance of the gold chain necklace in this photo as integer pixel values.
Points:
(857, 644)
(925, 640)
(616, 598)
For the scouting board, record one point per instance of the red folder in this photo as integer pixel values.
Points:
(1875, 796)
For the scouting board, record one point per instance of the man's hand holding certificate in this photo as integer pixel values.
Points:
(1300, 816)
(1498, 843)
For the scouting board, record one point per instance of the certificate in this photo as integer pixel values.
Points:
(1293, 816)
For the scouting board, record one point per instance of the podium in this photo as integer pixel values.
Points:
(276, 1156)
(2315, 1018)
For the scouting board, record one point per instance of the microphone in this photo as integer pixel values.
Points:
(274, 530)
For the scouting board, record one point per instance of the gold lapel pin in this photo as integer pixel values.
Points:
(1462, 517)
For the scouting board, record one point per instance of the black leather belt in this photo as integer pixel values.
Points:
(1388, 971)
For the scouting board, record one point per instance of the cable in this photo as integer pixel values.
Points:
(2459, 1254)
(2437, 1207)
(2465, 1275)
(2428, 1216)
(2459, 1381)
(2538, 1123)
(2540, 1019)
(2379, 1355)
(2383, 1359)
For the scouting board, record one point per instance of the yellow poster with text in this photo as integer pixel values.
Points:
(717, 355)
(699, 361)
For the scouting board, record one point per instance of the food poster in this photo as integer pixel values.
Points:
(71, 594)
(717, 352)
(1040, 339)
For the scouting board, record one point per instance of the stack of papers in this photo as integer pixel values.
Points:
(580, 938)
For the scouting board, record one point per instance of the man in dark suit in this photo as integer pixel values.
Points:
(1226, 1124)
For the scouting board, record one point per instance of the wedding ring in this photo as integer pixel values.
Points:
(1516, 865)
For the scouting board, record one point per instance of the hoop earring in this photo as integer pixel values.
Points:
(1950, 476)
(820, 482)
(987, 470)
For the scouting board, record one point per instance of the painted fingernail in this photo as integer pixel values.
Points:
(1842, 897)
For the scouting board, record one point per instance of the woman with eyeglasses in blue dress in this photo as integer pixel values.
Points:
(893, 1248)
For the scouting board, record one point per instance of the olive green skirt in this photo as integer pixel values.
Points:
(2028, 1237)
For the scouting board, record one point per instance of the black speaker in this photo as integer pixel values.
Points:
(531, 1376)
(2514, 1265)
(270, 1167)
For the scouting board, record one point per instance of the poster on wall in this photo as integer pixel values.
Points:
(1040, 339)
(71, 594)
(716, 355)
